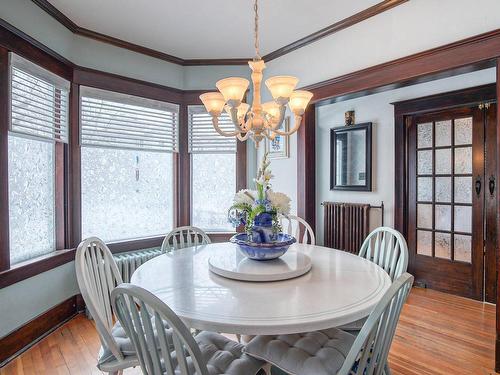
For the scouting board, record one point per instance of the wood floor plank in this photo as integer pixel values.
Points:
(438, 334)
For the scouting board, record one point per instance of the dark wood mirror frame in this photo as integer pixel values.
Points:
(334, 133)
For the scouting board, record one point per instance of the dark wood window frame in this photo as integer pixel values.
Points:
(68, 156)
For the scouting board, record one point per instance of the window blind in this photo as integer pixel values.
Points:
(203, 138)
(110, 119)
(39, 101)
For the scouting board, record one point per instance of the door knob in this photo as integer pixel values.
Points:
(491, 185)
(478, 185)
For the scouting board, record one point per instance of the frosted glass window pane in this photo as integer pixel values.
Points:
(424, 135)
(424, 216)
(425, 162)
(443, 217)
(424, 188)
(213, 188)
(31, 198)
(443, 133)
(126, 194)
(442, 245)
(443, 161)
(424, 243)
(463, 219)
(463, 131)
(463, 248)
(463, 160)
(463, 189)
(443, 189)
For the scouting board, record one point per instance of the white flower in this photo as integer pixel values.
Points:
(280, 201)
(245, 196)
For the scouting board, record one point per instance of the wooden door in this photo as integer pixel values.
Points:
(446, 200)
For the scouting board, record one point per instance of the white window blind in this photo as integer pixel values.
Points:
(203, 138)
(110, 119)
(39, 101)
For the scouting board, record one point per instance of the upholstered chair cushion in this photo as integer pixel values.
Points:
(124, 344)
(224, 356)
(318, 353)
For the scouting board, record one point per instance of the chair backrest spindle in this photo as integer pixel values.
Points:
(293, 225)
(182, 237)
(387, 248)
(137, 309)
(97, 275)
(368, 354)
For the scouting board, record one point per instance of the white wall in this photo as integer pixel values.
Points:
(378, 110)
(25, 300)
(409, 28)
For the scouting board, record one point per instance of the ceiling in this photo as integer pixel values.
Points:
(208, 29)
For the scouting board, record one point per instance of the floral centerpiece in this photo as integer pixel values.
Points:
(259, 210)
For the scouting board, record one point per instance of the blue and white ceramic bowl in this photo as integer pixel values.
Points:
(263, 250)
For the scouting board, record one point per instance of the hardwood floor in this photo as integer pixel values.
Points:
(438, 334)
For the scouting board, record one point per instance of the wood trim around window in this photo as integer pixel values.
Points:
(4, 162)
(68, 157)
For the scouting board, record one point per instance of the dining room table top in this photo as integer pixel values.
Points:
(340, 288)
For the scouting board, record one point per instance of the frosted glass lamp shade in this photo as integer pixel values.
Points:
(233, 88)
(242, 110)
(213, 102)
(299, 101)
(272, 109)
(281, 87)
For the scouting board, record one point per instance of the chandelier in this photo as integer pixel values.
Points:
(260, 120)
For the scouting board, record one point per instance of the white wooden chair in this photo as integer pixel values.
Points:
(177, 352)
(335, 352)
(182, 237)
(387, 248)
(97, 275)
(293, 225)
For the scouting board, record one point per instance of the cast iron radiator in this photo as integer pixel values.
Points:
(346, 225)
(128, 262)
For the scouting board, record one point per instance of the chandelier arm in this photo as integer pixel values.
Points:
(298, 121)
(215, 123)
(243, 137)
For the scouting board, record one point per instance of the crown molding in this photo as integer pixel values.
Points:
(383, 6)
(334, 28)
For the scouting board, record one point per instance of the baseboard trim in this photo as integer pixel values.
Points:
(24, 337)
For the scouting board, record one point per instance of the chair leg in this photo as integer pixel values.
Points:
(267, 368)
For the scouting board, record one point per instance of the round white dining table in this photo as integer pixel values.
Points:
(340, 288)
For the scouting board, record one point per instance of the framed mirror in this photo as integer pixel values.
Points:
(351, 157)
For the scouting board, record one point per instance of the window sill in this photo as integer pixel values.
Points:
(35, 266)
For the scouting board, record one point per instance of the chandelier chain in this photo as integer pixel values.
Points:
(256, 44)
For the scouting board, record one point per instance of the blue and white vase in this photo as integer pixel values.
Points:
(262, 230)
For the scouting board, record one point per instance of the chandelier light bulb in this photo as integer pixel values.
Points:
(213, 102)
(281, 87)
(242, 110)
(233, 89)
(271, 108)
(299, 101)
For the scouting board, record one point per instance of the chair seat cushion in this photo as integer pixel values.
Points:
(123, 342)
(354, 326)
(312, 353)
(224, 356)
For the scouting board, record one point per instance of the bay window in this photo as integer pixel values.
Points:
(38, 127)
(213, 171)
(127, 176)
